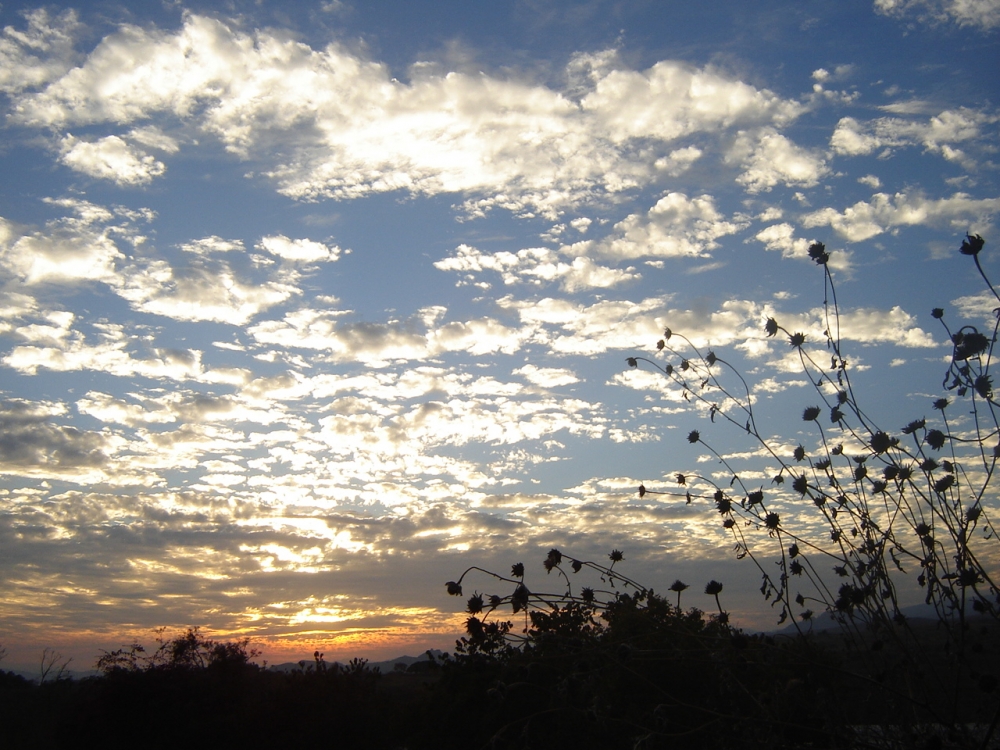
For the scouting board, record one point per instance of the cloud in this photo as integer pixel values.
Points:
(984, 14)
(39, 54)
(110, 158)
(69, 251)
(201, 290)
(873, 326)
(569, 328)
(770, 159)
(937, 135)
(378, 344)
(885, 212)
(302, 251)
(332, 124)
(536, 265)
(676, 226)
(58, 347)
(213, 244)
(32, 445)
(671, 100)
(782, 237)
(547, 377)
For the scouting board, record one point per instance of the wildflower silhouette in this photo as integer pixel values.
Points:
(892, 511)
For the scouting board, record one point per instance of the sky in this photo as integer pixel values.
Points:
(305, 308)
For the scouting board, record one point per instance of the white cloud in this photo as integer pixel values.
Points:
(110, 158)
(536, 265)
(378, 344)
(213, 244)
(671, 100)
(676, 226)
(41, 53)
(769, 159)
(68, 251)
(572, 328)
(336, 125)
(884, 212)
(547, 377)
(873, 326)
(152, 137)
(984, 14)
(937, 135)
(782, 237)
(303, 251)
(202, 290)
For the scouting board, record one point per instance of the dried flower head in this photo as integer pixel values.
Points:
(881, 442)
(817, 251)
(935, 439)
(972, 245)
(969, 344)
(475, 604)
(810, 414)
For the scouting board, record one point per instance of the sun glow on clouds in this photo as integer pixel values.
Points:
(237, 415)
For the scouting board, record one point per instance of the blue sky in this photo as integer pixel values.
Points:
(304, 310)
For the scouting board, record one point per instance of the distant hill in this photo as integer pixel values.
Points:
(385, 667)
(915, 614)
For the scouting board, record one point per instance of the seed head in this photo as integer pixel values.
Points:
(817, 251)
(935, 439)
(972, 244)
